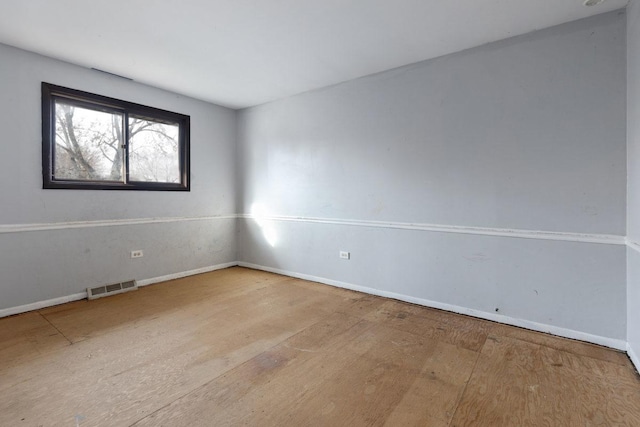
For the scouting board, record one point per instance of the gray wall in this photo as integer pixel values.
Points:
(40, 265)
(524, 134)
(633, 156)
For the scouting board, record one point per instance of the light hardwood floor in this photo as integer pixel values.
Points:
(243, 347)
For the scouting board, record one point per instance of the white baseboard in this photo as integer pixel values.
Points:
(180, 275)
(555, 330)
(535, 326)
(82, 295)
(633, 356)
(41, 304)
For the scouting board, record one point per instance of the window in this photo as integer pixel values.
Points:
(94, 142)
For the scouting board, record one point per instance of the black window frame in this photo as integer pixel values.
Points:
(51, 93)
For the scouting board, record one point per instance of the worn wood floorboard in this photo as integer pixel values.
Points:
(519, 383)
(243, 347)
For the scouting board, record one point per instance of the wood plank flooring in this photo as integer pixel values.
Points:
(243, 347)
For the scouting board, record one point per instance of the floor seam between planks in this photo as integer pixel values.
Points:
(466, 384)
(56, 328)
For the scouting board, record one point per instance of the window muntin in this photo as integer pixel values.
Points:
(95, 142)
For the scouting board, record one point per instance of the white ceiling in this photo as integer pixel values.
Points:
(240, 53)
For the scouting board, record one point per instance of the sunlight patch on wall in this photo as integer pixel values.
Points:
(260, 215)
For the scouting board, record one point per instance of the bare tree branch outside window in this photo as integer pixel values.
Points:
(91, 141)
(89, 146)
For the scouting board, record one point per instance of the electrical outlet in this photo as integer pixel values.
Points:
(137, 253)
(345, 255)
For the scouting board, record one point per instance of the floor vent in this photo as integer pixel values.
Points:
(116, 288)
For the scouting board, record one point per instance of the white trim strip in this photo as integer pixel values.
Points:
(633, 356)
(83, 295)
(608, 239)
(23, 228)
(633, 245)
(484, 231)
(550, 329)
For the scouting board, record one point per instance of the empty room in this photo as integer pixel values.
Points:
(320, 212)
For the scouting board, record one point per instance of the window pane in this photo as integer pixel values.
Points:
(153, 151)
(91, 141)
(88, 144)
